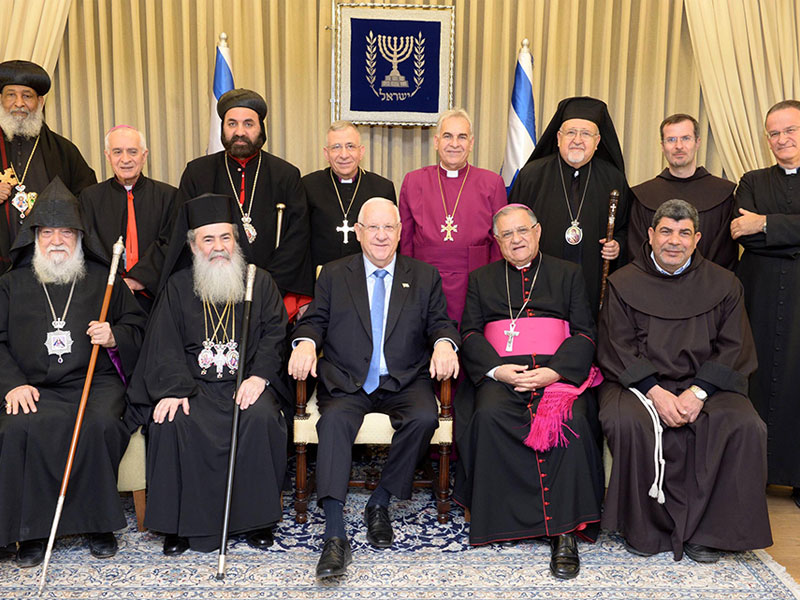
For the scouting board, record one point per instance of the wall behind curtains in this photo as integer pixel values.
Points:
(148, 63)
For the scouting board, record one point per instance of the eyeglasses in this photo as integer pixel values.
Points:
(789, 131)
(674, 140)
(520, 231)
(337, 148)
(584, 134)
(373, 229)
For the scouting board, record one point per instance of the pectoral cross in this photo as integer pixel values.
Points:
(345, 229)
(511, 335)
(8, 176)
(449, 228)
(219, 359)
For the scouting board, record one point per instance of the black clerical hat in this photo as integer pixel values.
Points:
(194, 213)
(56, 206)
(241, 97)
(591, 109)
(24, 72)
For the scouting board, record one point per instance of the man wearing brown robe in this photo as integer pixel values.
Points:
(711, 196)
(676, 349)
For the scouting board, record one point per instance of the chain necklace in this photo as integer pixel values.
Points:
(219, 351)
(247, 221)
(449, 227)
(510, 332)
(23, 201)
(345, 229)
(59, 342)
(574, 233)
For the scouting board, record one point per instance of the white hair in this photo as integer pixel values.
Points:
(28, 126)
(142, 141)
(49, 270)
(378, 200)
(219, 281)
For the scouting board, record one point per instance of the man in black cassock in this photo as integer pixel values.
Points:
(528, 342)
(380, 320)
(567, 182)
(768, 227)
(711, 196)
(48, 305)
(135, 207)
(31, 154)
(336, 194)
(261, 182)
(676, 350)
(186, 380)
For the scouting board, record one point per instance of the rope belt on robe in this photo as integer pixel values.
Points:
(543, 335)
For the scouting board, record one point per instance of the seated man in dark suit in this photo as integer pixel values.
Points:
(381, 322)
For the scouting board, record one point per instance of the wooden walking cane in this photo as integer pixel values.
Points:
(112, 273)
(613, 199)
(281, 207)
(248, 301)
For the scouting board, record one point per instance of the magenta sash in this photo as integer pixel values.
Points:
(537, 335)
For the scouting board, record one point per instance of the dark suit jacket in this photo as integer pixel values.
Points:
(339, 323)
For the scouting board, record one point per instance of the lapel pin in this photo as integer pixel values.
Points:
(406, 285)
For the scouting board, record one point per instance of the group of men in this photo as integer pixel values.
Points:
(667, 373)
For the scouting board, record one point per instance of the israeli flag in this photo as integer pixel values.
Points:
(521, 137)
(223, 82)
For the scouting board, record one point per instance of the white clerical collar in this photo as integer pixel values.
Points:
(370, 268)
(345, 180)
(678, 271)
(522, 267)
(790, 171)
(451, 174)
(128, 188)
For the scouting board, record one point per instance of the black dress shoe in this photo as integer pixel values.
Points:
(796, 496)
(31, 553)
(260, 538)
(700, 553)
(175, 544)
(9, 551)
(102, 545)
(564, 560)
(336, 555)
(379, 527)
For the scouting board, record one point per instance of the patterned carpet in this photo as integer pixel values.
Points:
(427, 561)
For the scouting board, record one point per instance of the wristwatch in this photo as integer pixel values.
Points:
(764, 226)
(701, 394)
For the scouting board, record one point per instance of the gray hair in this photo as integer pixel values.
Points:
(342, 125)
(142, 141)
(677, 210)
(509, 209)
(376, 200)
(782, 105)
(453, 112)
(191, 233)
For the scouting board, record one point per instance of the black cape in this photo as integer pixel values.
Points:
(33, 448)
(711, 196)
(325, 214)
(186, 490)
(105, 211)
(534, 493)
(278, 182)
(61, 159)
(539, 187)
(705, 337)
(770, 271)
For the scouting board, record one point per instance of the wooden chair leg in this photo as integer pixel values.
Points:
(140, 504)
(443, 487)
(301, 485)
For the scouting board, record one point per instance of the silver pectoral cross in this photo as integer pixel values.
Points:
(345, 229)
(511, 335)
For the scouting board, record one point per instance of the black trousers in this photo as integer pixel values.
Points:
(414, 416)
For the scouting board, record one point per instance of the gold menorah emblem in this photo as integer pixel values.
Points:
(395, 50)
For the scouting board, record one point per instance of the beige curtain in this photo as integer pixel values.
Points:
(149, 63)
(748, 58)
(33, 30)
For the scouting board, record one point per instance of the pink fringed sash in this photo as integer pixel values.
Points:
(543, 335)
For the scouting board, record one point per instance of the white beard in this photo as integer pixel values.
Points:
(28, 126)
(49, 269)
(219, 281)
